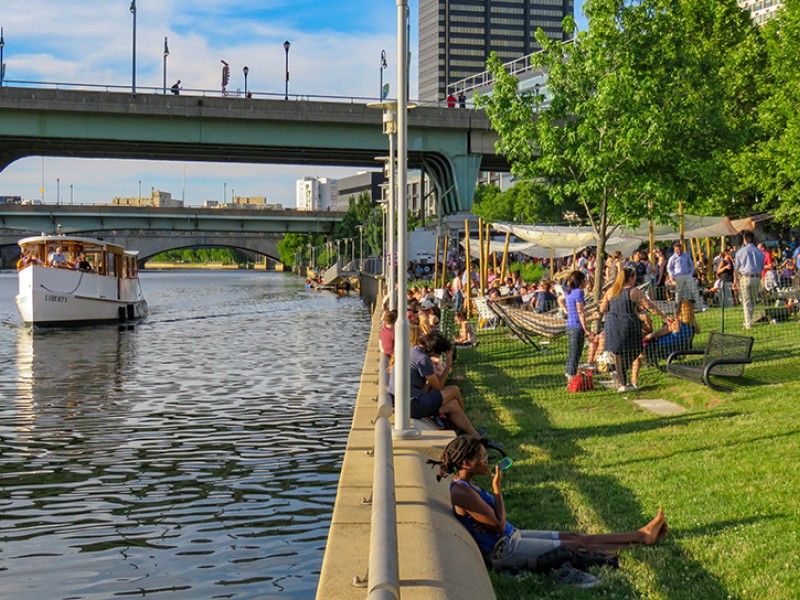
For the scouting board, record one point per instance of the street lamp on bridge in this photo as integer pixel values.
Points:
(166, 54)
(382, 95)
(2, 64)
(133, 69)
(246, 71)
(286, 46)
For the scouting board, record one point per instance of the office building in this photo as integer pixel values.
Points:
(316, 193)
(156, 198)
(457, 36)
(363, 181)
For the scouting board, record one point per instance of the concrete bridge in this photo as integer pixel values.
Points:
(155, 230)
(450, 145)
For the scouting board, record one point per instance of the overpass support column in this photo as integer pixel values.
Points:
(454, 178)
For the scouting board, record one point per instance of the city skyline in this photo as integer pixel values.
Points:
(335, 51)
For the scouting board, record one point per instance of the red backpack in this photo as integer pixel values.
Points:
(582, 382)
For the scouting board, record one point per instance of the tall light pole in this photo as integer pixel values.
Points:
(286, 46)
(360, 247)
(246, 71)
(166, 54)
(2, 64)
(70, 195)
(402, 347)
(381, 95)
(133, 53)
(58, 190)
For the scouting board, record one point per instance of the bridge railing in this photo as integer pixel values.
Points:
(237, 93)
(383, 575)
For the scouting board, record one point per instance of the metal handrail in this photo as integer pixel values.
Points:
(384, 571)
(159, 91)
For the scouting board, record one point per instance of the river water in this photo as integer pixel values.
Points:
(194, 456)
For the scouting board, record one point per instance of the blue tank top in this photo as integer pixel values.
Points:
(486, 540)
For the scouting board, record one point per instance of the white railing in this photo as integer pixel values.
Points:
(383, 576)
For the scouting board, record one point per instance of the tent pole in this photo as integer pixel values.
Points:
(651, 237)
(468, 284)
(710, 264)
(505, 257)
(444, 259)
(481, 289)
(488, 241)
(436, 264)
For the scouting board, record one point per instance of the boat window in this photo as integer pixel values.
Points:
(111, 264)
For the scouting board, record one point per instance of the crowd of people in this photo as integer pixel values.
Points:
(621, 325)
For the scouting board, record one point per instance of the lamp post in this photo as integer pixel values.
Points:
(166, 54)
(286, 46)
(360, 247)
(246, 71)
(383, 66)
(133, 68)
(2, 64)
(70, 194)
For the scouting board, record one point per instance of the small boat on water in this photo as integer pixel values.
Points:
(70, 280)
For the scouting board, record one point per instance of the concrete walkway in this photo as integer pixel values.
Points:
(437, 556)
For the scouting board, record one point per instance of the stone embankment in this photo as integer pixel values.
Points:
(438, 558)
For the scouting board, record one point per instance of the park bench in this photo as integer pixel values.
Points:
(725, 355)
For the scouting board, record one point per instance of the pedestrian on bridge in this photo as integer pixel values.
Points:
(176, 88)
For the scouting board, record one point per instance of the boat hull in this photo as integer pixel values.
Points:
(60, 297)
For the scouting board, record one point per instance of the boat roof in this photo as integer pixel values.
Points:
(61, 239)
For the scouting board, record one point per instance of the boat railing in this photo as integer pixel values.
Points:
(383, 579)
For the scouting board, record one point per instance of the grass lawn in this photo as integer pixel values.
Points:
(726, 471)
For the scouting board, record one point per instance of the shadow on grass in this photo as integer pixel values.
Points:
(541, 495)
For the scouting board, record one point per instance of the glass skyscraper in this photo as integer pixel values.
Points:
(457, 36)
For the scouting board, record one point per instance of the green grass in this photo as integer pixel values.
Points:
(726, 471)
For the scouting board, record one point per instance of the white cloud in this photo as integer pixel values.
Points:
(335, 51)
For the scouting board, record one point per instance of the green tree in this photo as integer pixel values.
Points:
(771, 169)
(635, 117)
(524, 202)
(289, 245)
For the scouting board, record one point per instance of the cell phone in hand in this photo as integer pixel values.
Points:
(505, 463)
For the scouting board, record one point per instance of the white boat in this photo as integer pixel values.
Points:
(88, 282)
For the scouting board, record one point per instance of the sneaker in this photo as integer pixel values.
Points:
(569, 575)
(626, 388)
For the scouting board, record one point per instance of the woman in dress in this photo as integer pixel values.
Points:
(623, 327)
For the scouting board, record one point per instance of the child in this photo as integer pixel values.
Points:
(465, 338)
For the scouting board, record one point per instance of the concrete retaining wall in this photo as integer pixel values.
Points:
(438, 558)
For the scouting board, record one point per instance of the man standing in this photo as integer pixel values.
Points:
(176, 88)
(748, 263)
(680, 268)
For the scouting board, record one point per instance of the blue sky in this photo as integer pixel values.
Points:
(335, 51)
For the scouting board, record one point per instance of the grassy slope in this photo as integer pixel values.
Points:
(726, 471)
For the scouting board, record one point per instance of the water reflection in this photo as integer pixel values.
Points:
(196, 456)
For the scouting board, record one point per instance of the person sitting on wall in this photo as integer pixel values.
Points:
(502, 544)
(430, 396)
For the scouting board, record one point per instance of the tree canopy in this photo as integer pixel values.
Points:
(638, 113)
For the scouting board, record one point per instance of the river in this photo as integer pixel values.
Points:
(195, 455)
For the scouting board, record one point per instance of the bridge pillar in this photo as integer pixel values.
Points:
(454, 177)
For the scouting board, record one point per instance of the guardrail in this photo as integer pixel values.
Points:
(384, 570)
(237, 93)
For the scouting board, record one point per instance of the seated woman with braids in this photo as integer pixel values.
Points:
(503, 545)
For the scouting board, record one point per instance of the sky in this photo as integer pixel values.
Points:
(335, 51)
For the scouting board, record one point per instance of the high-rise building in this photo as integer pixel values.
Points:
(457, 36)
(761, 11)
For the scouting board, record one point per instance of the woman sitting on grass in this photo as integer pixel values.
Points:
(503, 545)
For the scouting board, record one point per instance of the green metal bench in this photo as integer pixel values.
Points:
(725, 355)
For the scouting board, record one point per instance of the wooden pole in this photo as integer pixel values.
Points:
(468, 284)
(710, 264)
(651, 238)
(505, 257)
(436, 265)
(480, 257)
(488, 241)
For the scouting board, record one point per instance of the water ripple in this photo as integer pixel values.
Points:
(196, 456)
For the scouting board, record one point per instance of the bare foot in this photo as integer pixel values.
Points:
(652, 530)
(662, 535)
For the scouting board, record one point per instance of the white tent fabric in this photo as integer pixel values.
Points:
(564, 240)
(527, 248)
